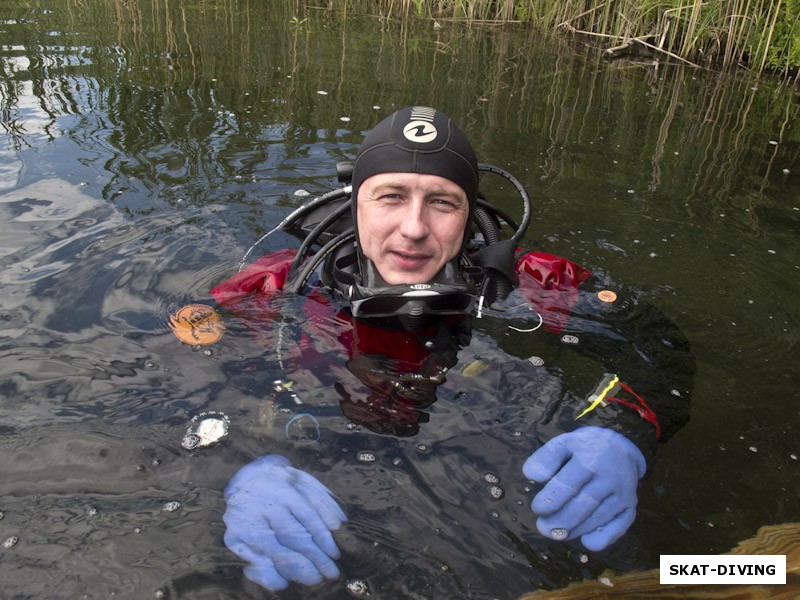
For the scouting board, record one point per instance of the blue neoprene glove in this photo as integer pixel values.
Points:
(279, 519)
(591, 476)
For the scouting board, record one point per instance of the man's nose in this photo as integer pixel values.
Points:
(415, 221)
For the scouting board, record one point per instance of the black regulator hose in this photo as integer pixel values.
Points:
(495, 286)
(296, 214)
(296, 285)
(523, 193)
(314, 235)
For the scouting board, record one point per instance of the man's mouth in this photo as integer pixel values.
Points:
(410, 259)
(410, 255)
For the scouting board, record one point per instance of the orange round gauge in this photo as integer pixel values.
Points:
(607, 296)
(197, 324)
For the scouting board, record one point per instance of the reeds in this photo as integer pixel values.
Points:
(755, 34)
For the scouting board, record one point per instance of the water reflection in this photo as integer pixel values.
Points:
(144, 146)
(187, 93)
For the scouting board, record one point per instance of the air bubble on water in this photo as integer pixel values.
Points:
(137, 530)
(583, 558)
(208, 352)
(422, 447)
(494, 514)
(2, 515)
(792, 456)
(357, 588)
(397, 462)
(160, 594)
(190, 441)
(605, 581)
(302, 427)
(753, 449)
(91, 511)
(207, 428)
(559, 533)
(351, 426)
(10, 541)
(150, 366)
(489, 477)
(301, 193)
(497, 492)
(366, 457)
(171, 506)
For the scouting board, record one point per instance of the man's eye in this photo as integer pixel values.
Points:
(444, 203)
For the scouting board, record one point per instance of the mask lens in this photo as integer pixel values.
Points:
(378, 306)
(389, 306)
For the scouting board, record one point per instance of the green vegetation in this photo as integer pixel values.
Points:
(760, 35)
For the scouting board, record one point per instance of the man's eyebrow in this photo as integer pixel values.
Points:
(438, 192)
(444, 192)
(392, 185)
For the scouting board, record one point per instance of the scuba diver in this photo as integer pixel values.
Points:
(405, 259)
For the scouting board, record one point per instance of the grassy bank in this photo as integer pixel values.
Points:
(760, 35)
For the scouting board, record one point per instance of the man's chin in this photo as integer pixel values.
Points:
(407, 278)
(408, 273)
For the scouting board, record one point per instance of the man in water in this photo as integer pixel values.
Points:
(414, 264)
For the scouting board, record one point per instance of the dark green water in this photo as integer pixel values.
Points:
(145, 147)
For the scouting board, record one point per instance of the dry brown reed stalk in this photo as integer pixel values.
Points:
(728, 33)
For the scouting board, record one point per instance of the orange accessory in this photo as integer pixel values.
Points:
(197, 324)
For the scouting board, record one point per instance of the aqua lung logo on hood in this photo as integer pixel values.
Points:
(420, 129)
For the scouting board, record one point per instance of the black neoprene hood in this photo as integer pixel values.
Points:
(418, 139)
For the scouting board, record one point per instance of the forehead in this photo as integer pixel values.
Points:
(421, 182)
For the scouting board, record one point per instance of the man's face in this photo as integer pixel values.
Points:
(410, 225)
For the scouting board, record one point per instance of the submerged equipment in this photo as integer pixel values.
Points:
(327, 237)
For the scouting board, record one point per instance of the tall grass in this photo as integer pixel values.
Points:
(755, 34)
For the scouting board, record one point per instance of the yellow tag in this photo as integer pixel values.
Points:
(475, 368)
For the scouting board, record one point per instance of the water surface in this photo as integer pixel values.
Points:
(146, 146)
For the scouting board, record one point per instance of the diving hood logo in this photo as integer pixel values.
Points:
(420, 132)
